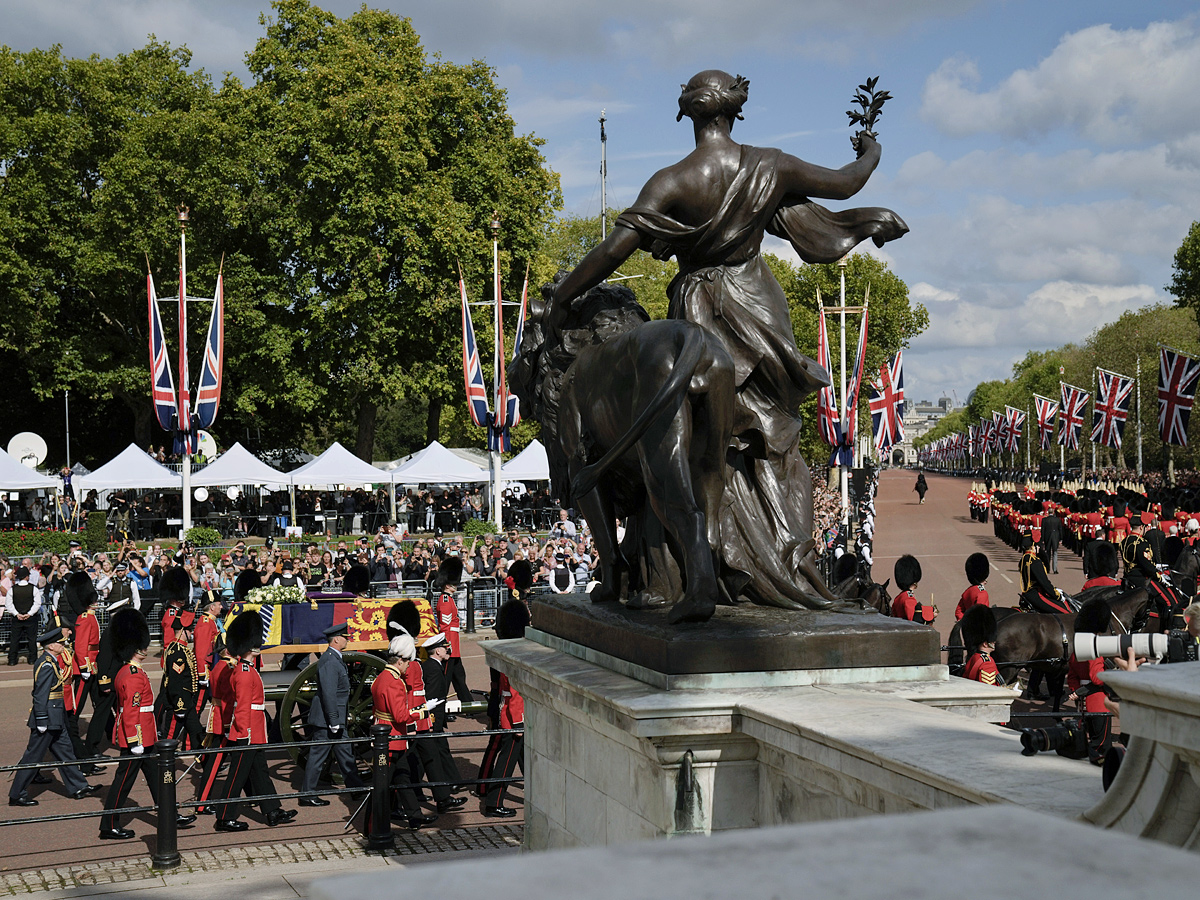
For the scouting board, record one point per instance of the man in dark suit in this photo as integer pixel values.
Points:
(434, 752)
(327, 717)
(1052, 537)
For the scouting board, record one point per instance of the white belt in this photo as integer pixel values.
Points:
(452, 628)
(259, 706)
(146, 708)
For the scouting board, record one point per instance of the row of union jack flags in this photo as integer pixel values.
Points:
(839, 431)
(1178, 374)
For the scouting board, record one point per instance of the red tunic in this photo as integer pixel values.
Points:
(135, 709)
(975, 595)
(512, 707)
(222, 696)
(390, 696)
(249, 704)
(205, 639)
(1079, 674)
(905, 607)
(414, 679)
(448, 621)
(981, 667)
(1101, 581)
(172, 615)
(67, 666)
(1118, 528)
(87, 641)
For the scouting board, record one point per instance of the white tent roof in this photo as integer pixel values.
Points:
(337, 465)
(530, 464)
(131, 468)
(237, 465)
(16, 477)
(437, 465)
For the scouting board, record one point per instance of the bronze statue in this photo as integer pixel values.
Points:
(710, 211)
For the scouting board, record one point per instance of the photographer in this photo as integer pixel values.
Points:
(1086, 681)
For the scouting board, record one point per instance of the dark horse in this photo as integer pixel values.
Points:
(870, 593)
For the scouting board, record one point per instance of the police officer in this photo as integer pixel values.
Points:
(48, 725)
(327, 716)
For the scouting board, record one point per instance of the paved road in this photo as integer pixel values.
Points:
(28, 847)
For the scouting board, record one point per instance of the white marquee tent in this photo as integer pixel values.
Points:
(337, 465)
(237, 465)
(437, 465)
(530, 464)
(132, 468)
(16, 477)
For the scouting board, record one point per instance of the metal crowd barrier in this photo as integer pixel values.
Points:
(166, 753)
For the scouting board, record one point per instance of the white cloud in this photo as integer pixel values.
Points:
(1108, 85)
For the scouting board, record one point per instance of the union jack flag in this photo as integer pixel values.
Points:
(1015, 419)
(499, 384)
(1046, 410)
(827, 413)
(1177, 376)
(999, 432)
(973, 440)
(850, 413)
(881, 416)
(477, 402)
(887, 405)
(208, 394)
(160, 364)
(895, 378)
(514, 402)
(185, 439)
(1113, 393)
(1070, 414)
(985, 436)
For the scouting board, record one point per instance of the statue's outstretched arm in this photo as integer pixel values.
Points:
(807, 180)
(595, 267)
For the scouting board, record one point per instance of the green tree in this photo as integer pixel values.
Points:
(1185, 277)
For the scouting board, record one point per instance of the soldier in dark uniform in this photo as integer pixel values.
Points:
(48, 725)
(434, 752)
(327, 717)
(1155, 536)
(446, 582)
(1037, 593)
(175, 709)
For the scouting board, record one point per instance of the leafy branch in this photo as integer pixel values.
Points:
(870, 102)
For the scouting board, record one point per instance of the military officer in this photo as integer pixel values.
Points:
(48, 724)
(389, 694)
(445, 582)
(434, 752)
(327, 716)
(175, 709)
(1037, 593)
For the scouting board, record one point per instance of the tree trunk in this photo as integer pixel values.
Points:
(368, 412)
(433, 420)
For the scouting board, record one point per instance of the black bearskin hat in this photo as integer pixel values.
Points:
(511, 620)
(404, 615)
(1094, 617)
(907, 571)
(1119, 508)
(1172, 547)
(175, 587)
(449, 572)
(79, 592)
(521, 572)
(845, 566)
(357, 579)
(244, 633)
(1102, 559)
(247, 580)
(130, 633)
(978, 568)
(978, 627)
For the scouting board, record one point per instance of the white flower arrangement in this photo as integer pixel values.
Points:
(276, 595)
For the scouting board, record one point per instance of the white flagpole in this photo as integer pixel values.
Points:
(494, 458)
(183, 376)
(1138, 388)
(843, 473)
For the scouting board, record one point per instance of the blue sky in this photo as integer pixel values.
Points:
(1045, 155)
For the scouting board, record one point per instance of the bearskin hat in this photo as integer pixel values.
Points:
(79, 592)
(130, 633)
(404, 615)
(449, 572)
(175, 587)
(1119, 508)
(1094, 617)
(978, 568)
(1172, 547)
(521, 572)
(1168, 512)
(357, 579)
(244, 633)
(1102, 559)
(978, 626)
(247, 580)
(845, 566)
(511, 620)
(907, 571)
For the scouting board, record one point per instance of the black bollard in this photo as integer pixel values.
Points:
(166, 845)
(379, 835)
(470, 629)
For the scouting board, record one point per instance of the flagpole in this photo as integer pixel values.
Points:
(1138, 382)
(494, 459)
(1093, 443)
(183, 372)
(1028, 436)
(843, 473)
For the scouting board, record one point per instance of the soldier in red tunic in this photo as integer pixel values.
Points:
(978, 568)
(979, 635)
(175, 591)
(907, 573)
(1086, 681)
(204, 640)
(505, 751)
(220, 713)
(80, 595)
(445, 583)
(1101, 562)
(389, 694)
(248, 729)
(134, 731)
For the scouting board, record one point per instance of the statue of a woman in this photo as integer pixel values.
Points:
(710, 211)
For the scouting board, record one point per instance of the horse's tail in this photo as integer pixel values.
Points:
(669, 397)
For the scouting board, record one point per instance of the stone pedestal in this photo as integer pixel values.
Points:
(611, 758)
